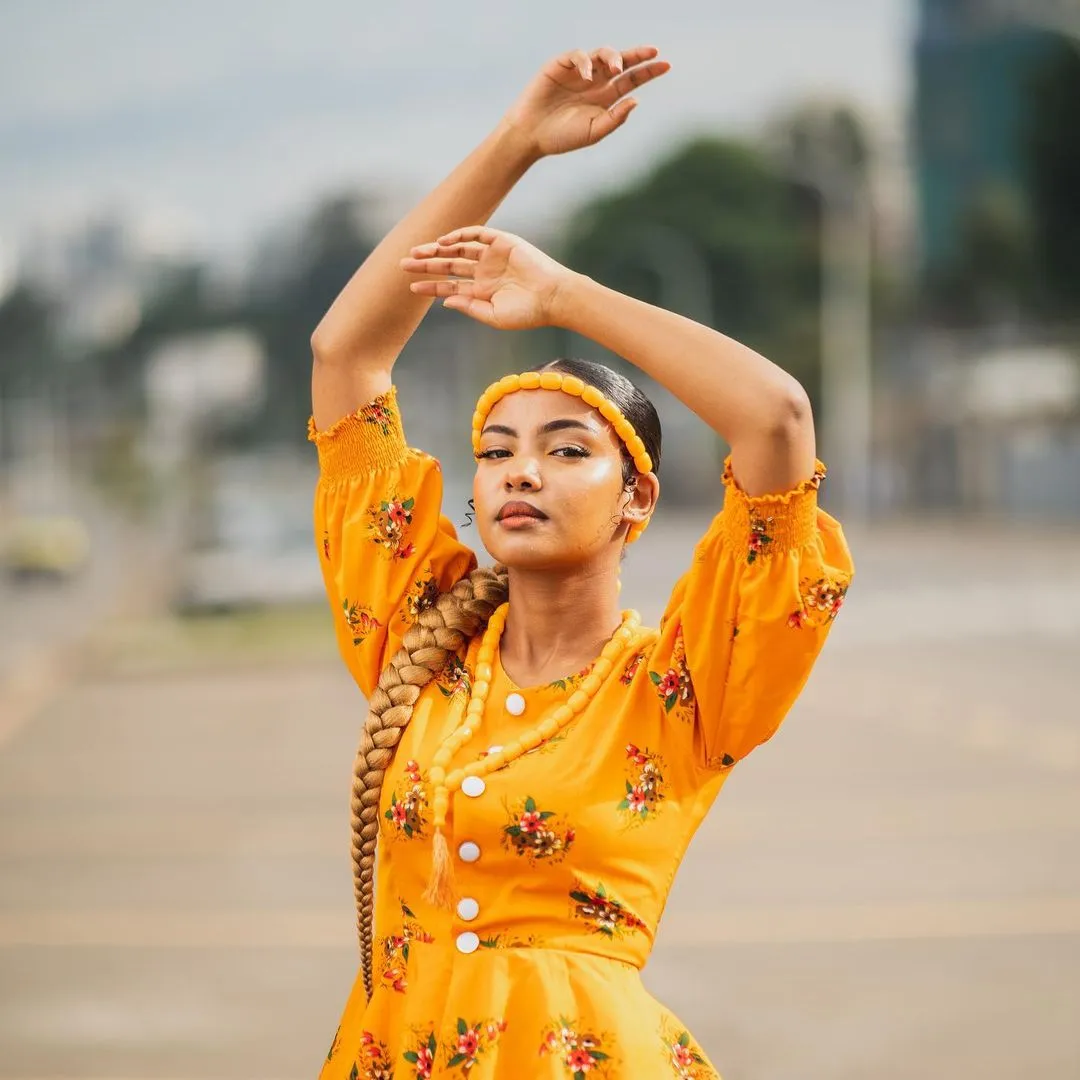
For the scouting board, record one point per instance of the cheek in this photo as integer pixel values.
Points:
(596, 494)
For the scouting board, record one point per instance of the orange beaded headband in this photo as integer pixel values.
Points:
(568, 384)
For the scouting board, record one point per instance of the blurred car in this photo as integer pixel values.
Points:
(44, 546)
(251, 544)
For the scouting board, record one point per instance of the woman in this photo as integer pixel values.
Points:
(535, 760)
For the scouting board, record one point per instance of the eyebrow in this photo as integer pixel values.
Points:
(552, 425)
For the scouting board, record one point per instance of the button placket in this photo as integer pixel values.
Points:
(468, 851)
(473, 786)
(468, 942)
(468, 909)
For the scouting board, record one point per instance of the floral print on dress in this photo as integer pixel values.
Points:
(674, 687)
(510, 941)
(603, 912)
(454, 678)
(422, 1055)
(631, 669)
(326, 546)
(373, 1061)
(388, 526)
(645, 785)
(394, 951)
(583, 1054)
(360, 620)
(538, 835)
(759, 538)
(422, 594)
(570, 682)
(469, 1042)
(822, 600)
(334, 1044)
(377, 412)
(686, 1059)
(407, 804)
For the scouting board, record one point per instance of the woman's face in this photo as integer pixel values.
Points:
(549, 488)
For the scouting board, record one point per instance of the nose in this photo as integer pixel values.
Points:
(523, 474)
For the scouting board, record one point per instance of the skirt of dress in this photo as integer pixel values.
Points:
(510, 1014)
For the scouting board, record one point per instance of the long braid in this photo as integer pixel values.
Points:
(440, 630)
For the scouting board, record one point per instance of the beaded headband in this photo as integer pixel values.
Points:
(568, 384)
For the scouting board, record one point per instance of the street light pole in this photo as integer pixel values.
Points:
(847, 345)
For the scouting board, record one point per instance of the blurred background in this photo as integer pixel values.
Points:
(883, 197)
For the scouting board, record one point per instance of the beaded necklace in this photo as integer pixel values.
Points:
(440, 890)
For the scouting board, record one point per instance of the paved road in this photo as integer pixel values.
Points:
(891, 888)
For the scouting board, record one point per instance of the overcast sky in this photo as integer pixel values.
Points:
(224, 116)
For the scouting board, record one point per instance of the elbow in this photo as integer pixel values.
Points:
(790, 417)
(320, 344)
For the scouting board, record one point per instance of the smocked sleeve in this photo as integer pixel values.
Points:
(383, 544)
(745, 624)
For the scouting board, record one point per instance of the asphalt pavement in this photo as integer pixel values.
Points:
(891, 887)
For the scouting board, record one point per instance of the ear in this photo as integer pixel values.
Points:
(641, 502)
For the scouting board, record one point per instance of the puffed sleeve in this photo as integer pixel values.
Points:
(745, 624)
(384, 547)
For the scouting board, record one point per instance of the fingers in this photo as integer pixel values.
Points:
(442, 288)
(638, 76)
(462, 268)
(478, 233)
(638, 55)
(614, 118)
(580, 60)
(611, 59)
(481, 310)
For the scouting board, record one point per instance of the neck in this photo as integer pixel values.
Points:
(558, 622)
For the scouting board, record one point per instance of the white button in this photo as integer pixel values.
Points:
(469, 852)
(473, 786)
(494, 749)
(468, 942)
(467, 909)
(515, 704)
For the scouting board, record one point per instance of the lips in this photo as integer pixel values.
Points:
(520, 510)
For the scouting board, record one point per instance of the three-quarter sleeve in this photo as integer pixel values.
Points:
(745, 624)
(385, 549)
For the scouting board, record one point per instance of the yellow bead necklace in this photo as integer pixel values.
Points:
(440, 888)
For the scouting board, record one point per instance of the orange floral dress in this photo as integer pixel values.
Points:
(564, 857)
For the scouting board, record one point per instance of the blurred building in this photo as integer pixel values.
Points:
(971, 60)
(984, 413)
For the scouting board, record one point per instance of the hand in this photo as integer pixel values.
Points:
(579, 98)
(495, 277)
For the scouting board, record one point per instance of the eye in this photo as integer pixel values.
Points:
(571, 452)
(493, 453)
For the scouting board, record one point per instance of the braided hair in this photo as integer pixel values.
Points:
(438, 633)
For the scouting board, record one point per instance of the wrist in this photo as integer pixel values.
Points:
(518, 143)
(567, 299)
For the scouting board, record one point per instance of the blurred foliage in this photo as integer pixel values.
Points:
(27, 348)
(754, 232)
(1051, 145)
(334, 241)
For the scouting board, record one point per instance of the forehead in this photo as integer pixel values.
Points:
(525, 410)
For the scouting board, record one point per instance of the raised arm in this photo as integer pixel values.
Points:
(574, 101)
(756, 407)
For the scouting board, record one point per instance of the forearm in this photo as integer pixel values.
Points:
(375, 314)
(760, 410)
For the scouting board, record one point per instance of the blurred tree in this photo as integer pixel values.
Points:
(26, 342)
(1051, 143)
(335, 240)
(717, 209)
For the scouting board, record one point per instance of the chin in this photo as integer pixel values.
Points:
(524, 551)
